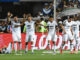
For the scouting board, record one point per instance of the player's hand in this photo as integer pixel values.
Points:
(64, 32)
(8, 13)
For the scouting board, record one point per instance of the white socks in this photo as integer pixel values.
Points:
(26, 48)
(9, 49)
(77, 47)
(32, 47)
(15, 47)
(49, 46)
(19, 46)
(71, 47)
(54, 47)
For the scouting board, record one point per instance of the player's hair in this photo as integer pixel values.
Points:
(15, 16)
(51, 17)
(29, 16)
(41, 19)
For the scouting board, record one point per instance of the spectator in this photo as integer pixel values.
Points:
(42, 28)
(3, 27)
(46, 10)
(9, 29)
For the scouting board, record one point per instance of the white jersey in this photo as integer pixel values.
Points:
(75, 26)
(51, 27)
(30, 27)
(67, 25)
(16, 29)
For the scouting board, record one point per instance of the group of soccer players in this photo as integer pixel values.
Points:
(70, 30)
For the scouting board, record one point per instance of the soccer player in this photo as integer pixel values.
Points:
(16, 33)
(52, 28)
(67, 33)
(75, 29)
(30, 33)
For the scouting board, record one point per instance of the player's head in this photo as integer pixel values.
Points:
(15, 18)
(75, 18)
(29, 18)
(51, 18)
(69, 18)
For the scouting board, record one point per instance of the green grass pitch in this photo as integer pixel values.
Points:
(39, 55)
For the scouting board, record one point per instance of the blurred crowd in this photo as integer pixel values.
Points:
(48, 10)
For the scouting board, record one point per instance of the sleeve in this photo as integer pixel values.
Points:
(79, 22)
(56, 23)
(34, 22)
(13, 23)
(64, 22)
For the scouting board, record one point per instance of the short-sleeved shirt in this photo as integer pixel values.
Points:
(30, 26)
(75, 25)
(51, 26)
(67, 25)
(15, 29)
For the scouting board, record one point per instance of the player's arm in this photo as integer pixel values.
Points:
(57, 31)
(63, 28)
(20, 24)
(39, 24)
(71, 30)
(47, 27)
(9, 15)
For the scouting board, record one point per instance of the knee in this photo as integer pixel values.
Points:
(48, 41)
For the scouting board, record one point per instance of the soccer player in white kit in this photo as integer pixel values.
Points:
(30, 33)
(67, 33)
(16, 33)
(52, 28)
(75, 29)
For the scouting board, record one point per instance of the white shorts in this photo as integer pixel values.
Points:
(67, 36)
(30, 37)
(16, 37)
(52, 37)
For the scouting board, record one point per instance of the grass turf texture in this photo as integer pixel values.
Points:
(39, 55)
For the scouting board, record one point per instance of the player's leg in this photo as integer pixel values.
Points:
(54, 43)
(77, 43)
(49, 40)
(15, 46)
(65, 38)
(71, 46)
(49, 44)
(71, 43)
(19, 41)
(9, 49)
(26, 43)
(32, 43)
(15, 39)
(19, 46)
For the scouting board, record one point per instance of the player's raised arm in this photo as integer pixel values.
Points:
(9, 15)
